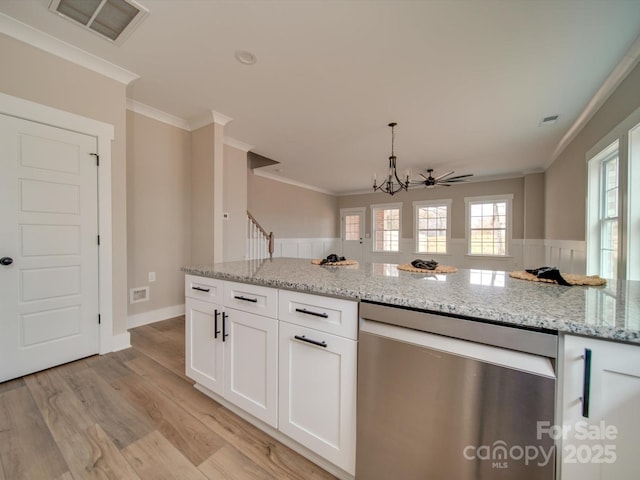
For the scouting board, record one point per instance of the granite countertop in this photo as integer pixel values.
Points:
(609, 312)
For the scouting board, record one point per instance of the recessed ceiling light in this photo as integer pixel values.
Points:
(550, 120)
(245, 58)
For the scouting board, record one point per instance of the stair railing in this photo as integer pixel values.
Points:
(260, 244)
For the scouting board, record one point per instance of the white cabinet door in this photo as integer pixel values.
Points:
(204, 348)
(603, 444)
(251, 364)
(317, 401)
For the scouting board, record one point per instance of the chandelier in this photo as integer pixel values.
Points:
(392, 183)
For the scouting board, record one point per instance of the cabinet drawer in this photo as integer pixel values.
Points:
(331, 315)
(251, 298)
(203, 288)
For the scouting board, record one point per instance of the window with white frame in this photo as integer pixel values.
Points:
(613, 224)
(609, 215)
(352, 227)
(386, 227)
(603, 211)
(432, 226)
(488, 221)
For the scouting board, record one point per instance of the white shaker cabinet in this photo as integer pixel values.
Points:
(289, 359)
(317, 401)
(251, 350)
(600, 410)
(203, 346)
(251, 364)
(230, 351)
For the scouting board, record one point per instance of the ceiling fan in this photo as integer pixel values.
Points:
(443, 180)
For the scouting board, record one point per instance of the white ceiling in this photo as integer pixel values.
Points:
(468, 81)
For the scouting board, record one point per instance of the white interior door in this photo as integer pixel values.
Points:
(49, 248)
(352, 233)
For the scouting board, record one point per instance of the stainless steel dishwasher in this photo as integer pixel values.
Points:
(447, 398)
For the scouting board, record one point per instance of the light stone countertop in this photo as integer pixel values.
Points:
(610, 312)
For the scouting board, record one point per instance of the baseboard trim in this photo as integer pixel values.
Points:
(153, 316)
(120, 341)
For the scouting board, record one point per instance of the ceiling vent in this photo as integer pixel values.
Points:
(548, 120)
(111, 19)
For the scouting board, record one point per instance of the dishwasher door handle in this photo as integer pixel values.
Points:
(302, 338)
(586, 383)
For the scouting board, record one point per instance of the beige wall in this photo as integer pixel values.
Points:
(202, 195)
(35, 75)
(456, 193)
(534, 206)
(158, 210)
(292, 212)
(566, 178)
(235, 203)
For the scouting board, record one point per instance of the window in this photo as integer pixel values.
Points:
(609, 216)
(352, 223)
(489, 225)
(386, 227)
(432, 226)
(352, 227)
(613, 204)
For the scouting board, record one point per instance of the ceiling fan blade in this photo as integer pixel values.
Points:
(458, 177)
(456, 180)
(444, 175)
(423, 176)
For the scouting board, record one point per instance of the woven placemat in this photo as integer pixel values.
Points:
(571, 278)
(335, 264)
(407, 267)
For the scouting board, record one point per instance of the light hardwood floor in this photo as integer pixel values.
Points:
(133, 415)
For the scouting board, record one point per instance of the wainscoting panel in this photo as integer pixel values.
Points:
(457, 257)
(306, 247)
(567, 255)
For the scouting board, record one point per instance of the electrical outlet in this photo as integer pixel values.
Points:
(152, 276)
(138, 294)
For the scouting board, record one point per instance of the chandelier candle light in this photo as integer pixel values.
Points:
(392, 184)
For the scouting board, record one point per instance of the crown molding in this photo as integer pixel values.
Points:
(220, 118)
(179, 122)
(156, 114)
(207, 118)
(288, 181)
(615, 78)
(36, 38)
(232, 142)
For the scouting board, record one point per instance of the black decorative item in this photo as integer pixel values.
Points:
(549, 273)
(425, 264)
(332, 258)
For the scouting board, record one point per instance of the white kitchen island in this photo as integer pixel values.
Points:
(604, 320)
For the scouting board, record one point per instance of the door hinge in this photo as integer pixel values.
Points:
(98, 239)
(97, 158)
(99, 319)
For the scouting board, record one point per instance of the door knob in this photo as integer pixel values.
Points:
(6, 261)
